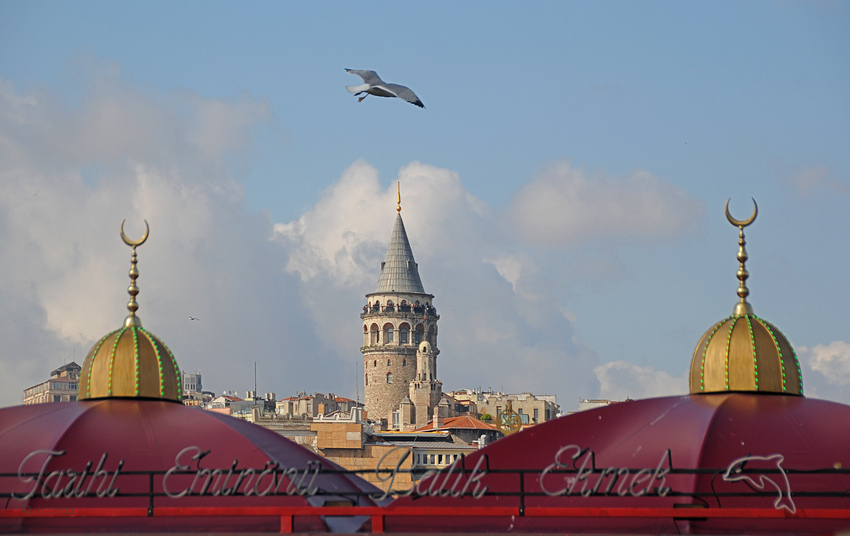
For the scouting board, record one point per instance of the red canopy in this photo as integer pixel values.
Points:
(718, 463)
(111, 453)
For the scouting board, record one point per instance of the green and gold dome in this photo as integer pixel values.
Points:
(130, 362)
(744, 352)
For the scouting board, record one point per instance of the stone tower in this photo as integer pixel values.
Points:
(397, 317)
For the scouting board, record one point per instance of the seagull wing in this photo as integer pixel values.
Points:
(368, 77)
(402, 92)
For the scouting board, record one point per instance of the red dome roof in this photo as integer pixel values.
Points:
(704, 437)
(102, 446)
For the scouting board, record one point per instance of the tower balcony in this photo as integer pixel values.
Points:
(407, 350)
(401, 311)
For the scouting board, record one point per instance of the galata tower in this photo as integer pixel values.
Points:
(396, 318)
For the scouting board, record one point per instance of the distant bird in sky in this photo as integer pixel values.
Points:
(373, 85)
(193, 318)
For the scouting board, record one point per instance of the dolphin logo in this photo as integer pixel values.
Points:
(735, 472)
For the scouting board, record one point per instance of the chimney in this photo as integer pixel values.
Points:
(439, 419)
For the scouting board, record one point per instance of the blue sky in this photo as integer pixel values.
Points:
(563, 188)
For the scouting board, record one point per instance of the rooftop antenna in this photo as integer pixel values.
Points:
(356, 383)
(255, 383)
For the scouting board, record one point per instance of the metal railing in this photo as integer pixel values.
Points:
(703, 505)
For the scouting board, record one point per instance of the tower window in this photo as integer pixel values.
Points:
(389, 377)
(404, 362)
(389, 362)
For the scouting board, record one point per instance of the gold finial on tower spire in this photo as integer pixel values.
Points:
(742, 307)
(132, 319)
(398, 208)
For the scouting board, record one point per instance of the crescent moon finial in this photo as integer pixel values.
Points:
(743, 307)
(135, 243)
(741, 223)
(132, 320)
(398, 208)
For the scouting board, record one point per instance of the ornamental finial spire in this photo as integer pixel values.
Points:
(132, 319)
(742, 307)
(398, 200)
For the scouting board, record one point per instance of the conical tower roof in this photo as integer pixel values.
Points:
(399, 271)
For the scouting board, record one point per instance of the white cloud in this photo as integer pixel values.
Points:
(620, 380)
(831, 360)
(70, 174)
(564, 206)
(816, 179)
(826, 370)
(342, 237)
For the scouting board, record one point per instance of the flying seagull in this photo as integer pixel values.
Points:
(373, 85)
(193, 318)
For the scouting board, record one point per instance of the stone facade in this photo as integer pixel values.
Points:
(393, 327)
(426, 391)
(533, 409)
(366, 459)
(63, 386)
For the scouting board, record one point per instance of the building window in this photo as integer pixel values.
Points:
(57, 398)
(389, 377)
(389, 362)
(403, 336)
(389, 334)
(536, 415)
(404, 362)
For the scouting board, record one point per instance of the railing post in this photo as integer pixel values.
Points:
(286, 524)
(378, 524)
(521, 492)
(150, 494)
